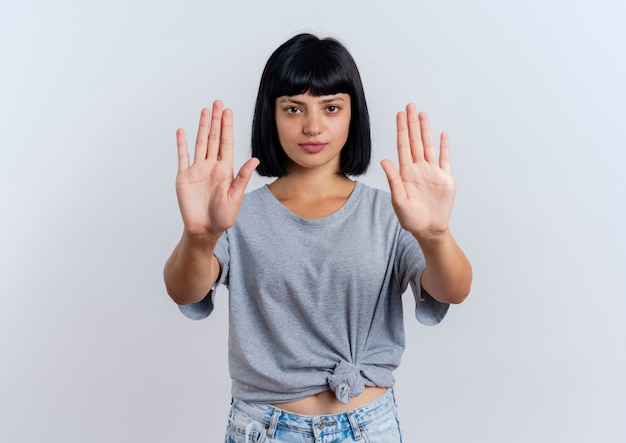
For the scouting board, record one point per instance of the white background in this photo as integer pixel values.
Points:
(532, 94)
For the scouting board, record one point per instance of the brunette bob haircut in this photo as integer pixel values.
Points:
(303, 64)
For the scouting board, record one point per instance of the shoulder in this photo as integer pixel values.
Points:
(374, 208)
(369, 190)
(378, 199)
(255, 198)
(256, 194)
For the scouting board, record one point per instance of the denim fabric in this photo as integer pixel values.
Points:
(376, 422)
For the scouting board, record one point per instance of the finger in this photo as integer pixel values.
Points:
(203, 132)
(213, 150)
(404, 145)
(242, 179)
(415, 135)
(183, 153)
(393, 177)
(227, 141)
(444, 153)
(430, 151)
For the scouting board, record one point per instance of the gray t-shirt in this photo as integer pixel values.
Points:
(316, 304)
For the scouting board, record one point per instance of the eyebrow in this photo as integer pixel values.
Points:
(334, 98)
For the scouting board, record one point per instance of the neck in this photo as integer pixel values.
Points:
(312, 196)
(311, 185)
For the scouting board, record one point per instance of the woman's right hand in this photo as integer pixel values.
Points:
(208, 195)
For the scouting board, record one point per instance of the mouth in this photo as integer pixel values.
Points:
(312, 147)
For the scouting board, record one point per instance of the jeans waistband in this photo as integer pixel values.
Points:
(275, 417)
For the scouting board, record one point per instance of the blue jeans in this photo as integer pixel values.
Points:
(375, 422)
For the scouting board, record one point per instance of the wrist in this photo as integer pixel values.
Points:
(201, 240)
(432, 237)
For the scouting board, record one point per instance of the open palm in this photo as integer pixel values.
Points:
(208, 195)
(423, 189)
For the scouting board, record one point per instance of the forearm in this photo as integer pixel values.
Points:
(191, 270)
(448, 273)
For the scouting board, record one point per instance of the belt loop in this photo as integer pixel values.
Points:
(273, 423)
(356, 430)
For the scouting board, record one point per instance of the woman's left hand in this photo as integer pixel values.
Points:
(423, 190)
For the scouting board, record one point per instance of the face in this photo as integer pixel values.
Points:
(313, 130)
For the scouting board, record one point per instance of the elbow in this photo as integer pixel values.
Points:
(458, 298)
(177, 294)
(452, 296)
(452, 291)
(463, 291)
(457, 293)
(463, 287)
(183, 296)
(169, 288)
(176, 298)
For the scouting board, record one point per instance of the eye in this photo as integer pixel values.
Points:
(293, 110)
(333, 109)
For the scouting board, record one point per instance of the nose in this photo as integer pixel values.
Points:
(312, 124)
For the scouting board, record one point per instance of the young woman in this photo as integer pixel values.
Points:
(315, 263)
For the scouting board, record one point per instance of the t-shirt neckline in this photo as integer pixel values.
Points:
(275, 205)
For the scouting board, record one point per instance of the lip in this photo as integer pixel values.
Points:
(313, 147)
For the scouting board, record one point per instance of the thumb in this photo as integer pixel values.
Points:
(393, 177)
(243, 177)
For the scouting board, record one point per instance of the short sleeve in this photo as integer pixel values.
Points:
(428, 311)
(202, 309)
(199, 310)
(410, 264)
